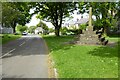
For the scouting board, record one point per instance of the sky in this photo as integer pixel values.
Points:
(34, 21)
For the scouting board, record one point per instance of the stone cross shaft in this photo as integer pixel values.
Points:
(90, 16)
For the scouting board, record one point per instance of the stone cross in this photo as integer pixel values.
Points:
(90, 16)
(90, 27)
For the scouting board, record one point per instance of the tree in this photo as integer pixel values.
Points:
(15, 13)
(43, 25)
(118, 11)
(21, 28)
(63, 30)
(51, 30)
(82, 26)
(106, 10)
(54, 12)
(31, 29)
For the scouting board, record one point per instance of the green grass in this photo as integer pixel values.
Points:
(8, 37)
(77, 61)
(115, 39)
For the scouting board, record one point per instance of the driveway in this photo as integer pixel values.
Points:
(25, 58)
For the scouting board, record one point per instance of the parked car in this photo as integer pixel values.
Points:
(24, 33)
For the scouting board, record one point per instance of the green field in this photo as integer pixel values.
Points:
(4, 38)
(77, 61)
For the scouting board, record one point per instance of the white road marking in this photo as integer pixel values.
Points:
(8, 53)
(22, 44)
(13, 49)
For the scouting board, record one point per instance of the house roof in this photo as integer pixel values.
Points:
(72, 22)
(82, 21)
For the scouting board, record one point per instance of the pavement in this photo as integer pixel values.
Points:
(25, 57)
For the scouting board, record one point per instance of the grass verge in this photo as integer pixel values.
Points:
(83, 61)
(8, 37)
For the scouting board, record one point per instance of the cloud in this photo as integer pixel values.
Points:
(33, 22)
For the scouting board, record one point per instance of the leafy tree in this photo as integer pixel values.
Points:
(118, 11)
(97, 24)
(82, 26)
(63, 30)
(21, 28)
(18, 28)
(51, 30)
(31, 29)
(54, 12)
(15, 13)
(43, 25)
(106, 10)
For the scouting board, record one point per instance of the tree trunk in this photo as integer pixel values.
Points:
(14, 25)
(14, 30)
(57, 30)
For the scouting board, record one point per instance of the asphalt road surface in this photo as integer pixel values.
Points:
(25, 58)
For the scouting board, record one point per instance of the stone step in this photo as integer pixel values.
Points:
(89, 37)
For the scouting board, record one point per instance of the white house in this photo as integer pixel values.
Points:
(39, 30)
(82, 21)
(6, 30)
(75, 24)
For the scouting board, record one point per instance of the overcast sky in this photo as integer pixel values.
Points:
(34, 21)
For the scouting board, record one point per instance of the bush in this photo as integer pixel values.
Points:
(64, 31)
(100, 23)
(16, 33)
(31, 29)
(97, 24)
(20, 28)
(43, 25)
(51, 30)
(76, 31)
(82, 27)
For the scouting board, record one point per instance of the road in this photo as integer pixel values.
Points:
(25, 58)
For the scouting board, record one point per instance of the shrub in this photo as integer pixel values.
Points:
(20, 28)
(31, 29)
(64, 31)
(51, 30)
(82, 26)
(76, 31)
